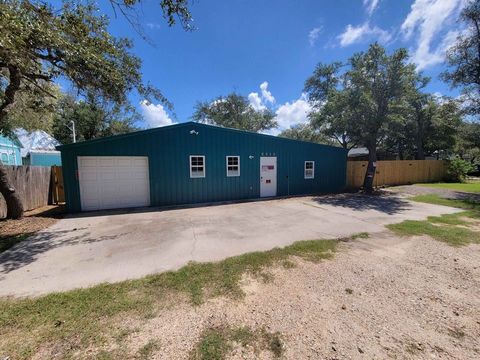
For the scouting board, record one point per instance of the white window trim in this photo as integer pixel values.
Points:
(305, 169)
(204, 167)
(226, 165)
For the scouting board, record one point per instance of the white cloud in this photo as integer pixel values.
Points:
(313, 35)
(266, 95)
(286, 115)
(256, 101)
(153, 26)
(155, 115)
(273, 132)
(354, 34)
(427, 20)
(293, 113)
(370, 5)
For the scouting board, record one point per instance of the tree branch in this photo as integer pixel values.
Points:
(40, 88)
(10, 91)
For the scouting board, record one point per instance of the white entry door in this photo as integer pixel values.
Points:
(109, 182)
(268, 176)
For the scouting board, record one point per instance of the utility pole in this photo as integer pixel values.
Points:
(72, 128)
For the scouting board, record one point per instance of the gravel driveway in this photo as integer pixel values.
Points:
(412, 298)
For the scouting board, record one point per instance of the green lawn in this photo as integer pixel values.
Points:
(437, 200)
(454, 229)
(465, 187)
(451, 229)
(82, 320)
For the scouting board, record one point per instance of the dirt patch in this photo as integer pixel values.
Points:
(408, 298)
(13, 231)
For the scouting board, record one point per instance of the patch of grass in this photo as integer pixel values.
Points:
(201, 280)
(362, 235)
(288, 264)
(452, 235)
(449, 219)
(465, 187)
(215, 343)
(450, 228)
(88, 315)
(242, 335)
(275, 343)
(457, 203)
(146, 351)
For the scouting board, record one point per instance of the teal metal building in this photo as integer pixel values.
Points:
(192, 163)
(38, 148)
(10, 150)
(42, 158)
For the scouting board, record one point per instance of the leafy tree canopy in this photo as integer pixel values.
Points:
(468, 142)
(234, 111)
(464, 59)
(306, 132)
(35, 110)
(92, 118)
(356, 102)
(40, 44)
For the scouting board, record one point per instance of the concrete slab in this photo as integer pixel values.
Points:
(91, 248)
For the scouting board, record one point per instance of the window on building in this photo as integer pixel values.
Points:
(233, 165)
(309, 172)
(4, 158)
(197, 166)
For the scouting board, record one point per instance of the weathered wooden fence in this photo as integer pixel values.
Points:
(35, 185)
(397, 172)
(58, 191)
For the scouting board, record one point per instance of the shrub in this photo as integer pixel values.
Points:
(458, 170)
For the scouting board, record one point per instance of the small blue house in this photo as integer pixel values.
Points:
(10, 150)
(38, 148)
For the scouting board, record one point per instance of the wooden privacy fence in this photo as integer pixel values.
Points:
(36, 186)
(397, 172)
(58, 191)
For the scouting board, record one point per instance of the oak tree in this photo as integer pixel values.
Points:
(234, 111)
(40, 44)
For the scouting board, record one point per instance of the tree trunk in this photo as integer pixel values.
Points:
(371, 169)
(420, 151)
(14, 204)
(399, 152)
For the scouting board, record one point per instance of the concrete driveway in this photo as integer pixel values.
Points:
(88, 249)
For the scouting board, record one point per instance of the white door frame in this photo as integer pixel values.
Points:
(268, 176)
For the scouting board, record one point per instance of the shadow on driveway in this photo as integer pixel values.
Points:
(382, 202)
(27, 251)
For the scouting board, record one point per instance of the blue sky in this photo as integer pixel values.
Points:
(266, 49)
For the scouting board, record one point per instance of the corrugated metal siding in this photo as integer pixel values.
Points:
(45, 159)
(9, 152)
(169, 149)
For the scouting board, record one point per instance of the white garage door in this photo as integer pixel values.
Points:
(109, 182)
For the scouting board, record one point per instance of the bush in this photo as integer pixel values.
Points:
(458, 169)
